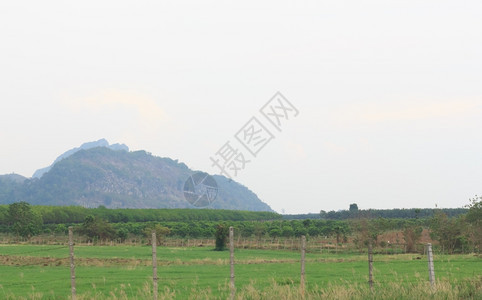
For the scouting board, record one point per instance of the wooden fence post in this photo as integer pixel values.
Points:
(370, 265)
(431, 272)
(302, 279)
(72, 264)
(231, 259)
(154, 265)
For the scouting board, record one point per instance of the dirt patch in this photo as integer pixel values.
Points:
(53, 261)
(9, 260)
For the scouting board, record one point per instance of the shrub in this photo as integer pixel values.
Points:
(221, 235)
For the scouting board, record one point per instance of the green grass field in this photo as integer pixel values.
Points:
(42, 272)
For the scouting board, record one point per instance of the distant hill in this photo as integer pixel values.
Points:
(85, 146)
(9, 185)
(101, 176)
(14, 178)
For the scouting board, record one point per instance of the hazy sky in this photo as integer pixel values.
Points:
(389, 93)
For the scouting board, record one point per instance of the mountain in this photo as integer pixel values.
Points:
(12, 178)
(85, 146)
(9, 184)
(120, 179)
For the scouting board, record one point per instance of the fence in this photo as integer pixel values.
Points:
(302, 247)
(313, 244)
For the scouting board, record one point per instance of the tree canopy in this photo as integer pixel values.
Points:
(23, 220)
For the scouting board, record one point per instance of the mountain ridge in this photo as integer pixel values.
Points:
(89, 145)
(101, 176)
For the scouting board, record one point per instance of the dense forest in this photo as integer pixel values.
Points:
(77, 214)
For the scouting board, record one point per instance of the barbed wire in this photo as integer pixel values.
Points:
(384, 278)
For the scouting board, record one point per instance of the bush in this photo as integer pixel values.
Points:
(61, 229)
(122, 234)
(97, 228)
(221, 235)
(161, 231)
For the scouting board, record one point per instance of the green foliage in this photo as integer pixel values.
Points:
(122, 234)
(339, 230)
(61, 229)
(449, 232)
(353, 208)
(259, 229)
(474, 214)
(287, 231)
(23, 220)
(275, 232)
(77, 214)
(474, 219)
(409, 213)
(460, 234)
(161, 232)
(206, 229)
(3, 214)
(221, 235)
(97, 228)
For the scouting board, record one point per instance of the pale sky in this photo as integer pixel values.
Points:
(389, 93)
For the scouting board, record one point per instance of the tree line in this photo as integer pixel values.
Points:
(455, 234)
(399, 213)
(77, 214)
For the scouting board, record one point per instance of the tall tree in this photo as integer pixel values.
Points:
(450, 232)
(23, 220)
(412, 235)
(474, 218)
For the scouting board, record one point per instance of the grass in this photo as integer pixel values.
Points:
(124, 272)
